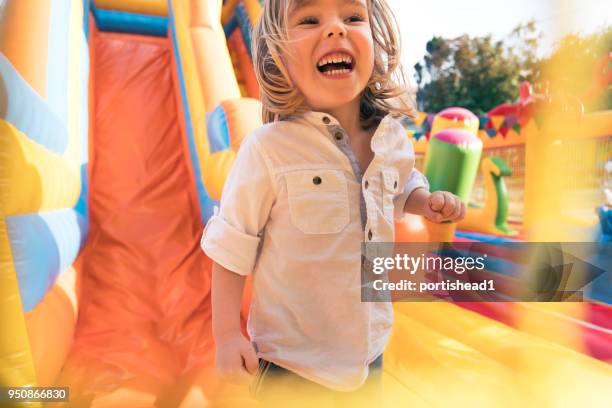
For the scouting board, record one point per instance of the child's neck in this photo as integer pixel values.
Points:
(348, 117)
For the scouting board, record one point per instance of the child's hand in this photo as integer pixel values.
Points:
(236, 359)
(444, 206)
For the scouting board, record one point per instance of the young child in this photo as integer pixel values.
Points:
(332, 167)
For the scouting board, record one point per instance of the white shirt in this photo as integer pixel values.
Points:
(291, 214)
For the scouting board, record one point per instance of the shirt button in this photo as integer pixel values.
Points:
(326, 120)
(369, 235)
(366, 184)
(316, 180)
(338, 135)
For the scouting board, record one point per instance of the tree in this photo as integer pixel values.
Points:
(476, 73)
(480, 73)
(573, 64)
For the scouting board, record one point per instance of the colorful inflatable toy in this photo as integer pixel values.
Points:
(453, 142)
(493, 216)
(455, 118)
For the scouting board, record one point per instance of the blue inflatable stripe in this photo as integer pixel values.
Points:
(57, 60)
(601, 289)
(492, 264)
(231, 25)
(86, 18)
(43, 245)
(484, 237)
(206, 203)
(503, 266)
(21, 106)
(216, 127)
(125, 22)
(82, 203)
(245, 25)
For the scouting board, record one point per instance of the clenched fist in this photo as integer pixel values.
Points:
(236, 359)
(444, 206)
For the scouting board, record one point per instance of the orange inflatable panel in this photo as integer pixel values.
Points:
(144, 328)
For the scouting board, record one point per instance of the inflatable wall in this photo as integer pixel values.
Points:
(116, 124)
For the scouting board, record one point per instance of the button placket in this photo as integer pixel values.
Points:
(336, 133)
(371, 220)
(338, 136)
(370, 229)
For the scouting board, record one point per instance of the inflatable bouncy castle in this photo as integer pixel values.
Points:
(119, 121)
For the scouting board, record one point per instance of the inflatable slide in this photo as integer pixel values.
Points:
(116, 158)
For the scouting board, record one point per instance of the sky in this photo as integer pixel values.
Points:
(419, 21)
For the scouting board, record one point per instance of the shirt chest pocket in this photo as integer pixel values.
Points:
(318, 200)
(390, 182)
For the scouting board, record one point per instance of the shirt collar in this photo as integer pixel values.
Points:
(325, 120)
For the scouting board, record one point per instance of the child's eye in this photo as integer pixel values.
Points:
(308, 20)
(355, 18)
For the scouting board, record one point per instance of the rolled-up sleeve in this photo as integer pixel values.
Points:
(415, 180)
(231, 236)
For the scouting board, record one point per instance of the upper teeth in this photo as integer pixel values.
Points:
(335, 58)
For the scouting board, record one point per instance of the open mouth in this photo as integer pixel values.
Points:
(336, 64)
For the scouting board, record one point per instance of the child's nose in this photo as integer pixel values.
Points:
(335, 29)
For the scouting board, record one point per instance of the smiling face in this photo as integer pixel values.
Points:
(330, 51)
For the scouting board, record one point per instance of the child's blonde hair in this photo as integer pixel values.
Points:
(383, 94)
